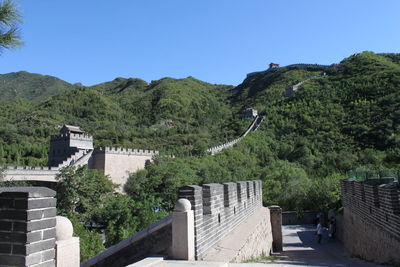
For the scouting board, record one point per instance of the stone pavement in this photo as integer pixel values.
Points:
(300, 249)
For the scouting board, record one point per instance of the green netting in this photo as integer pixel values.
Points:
(384, 175)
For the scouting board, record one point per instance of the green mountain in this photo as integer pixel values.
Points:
(30, 86)
(343, 117)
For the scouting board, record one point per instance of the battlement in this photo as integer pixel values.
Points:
(126, 151)
(219, 208)
(19, 173)
(69, 136)
(377, 203)
(32, 168)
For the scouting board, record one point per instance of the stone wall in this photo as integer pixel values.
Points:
(18, 173)
(118, 163)
(219, 208)
(293, 217)
(251, 239)
(27, 226)
(372, 213)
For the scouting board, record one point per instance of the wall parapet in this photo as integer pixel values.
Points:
(127, 151)
(219, 208)
(65, 137)
(377, 207)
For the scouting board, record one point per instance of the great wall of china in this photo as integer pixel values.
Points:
(73, 148)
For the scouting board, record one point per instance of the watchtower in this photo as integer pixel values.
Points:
(71, 141)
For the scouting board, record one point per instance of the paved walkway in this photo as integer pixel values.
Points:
(302, 249)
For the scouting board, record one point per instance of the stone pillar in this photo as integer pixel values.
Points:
(183, 231)
(67, 246)
(276, 225)
(27, 227)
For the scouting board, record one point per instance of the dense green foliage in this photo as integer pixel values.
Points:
(87, 197)
(10, 18)
(346, 120)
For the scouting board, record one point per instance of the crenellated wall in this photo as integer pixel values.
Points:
(118, 163)
(18, 173)
(219, 208)
(372, 213)
(127, 151)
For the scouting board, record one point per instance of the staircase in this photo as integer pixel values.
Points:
(78, 159)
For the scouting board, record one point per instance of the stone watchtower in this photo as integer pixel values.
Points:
(72, 142)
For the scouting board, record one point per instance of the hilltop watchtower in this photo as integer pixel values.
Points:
(71, 141)
(273, 65)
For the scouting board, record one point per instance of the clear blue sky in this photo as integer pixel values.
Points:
(218, 41)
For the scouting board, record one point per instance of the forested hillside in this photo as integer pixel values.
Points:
(344, 119)
(30, 86)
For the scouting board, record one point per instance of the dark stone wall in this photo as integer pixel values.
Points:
(27, 226)
(372, 213)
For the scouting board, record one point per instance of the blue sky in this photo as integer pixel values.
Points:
(218, 41)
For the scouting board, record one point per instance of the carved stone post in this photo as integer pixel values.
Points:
(183, 231)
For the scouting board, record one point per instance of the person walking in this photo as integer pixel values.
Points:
(318, 232)
(332, 227)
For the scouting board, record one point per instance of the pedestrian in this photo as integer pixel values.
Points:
(318, 232)
(332, 227)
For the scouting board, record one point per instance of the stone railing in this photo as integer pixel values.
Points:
(372, 212)
(218, 208)
(155, 239)
(126, 151)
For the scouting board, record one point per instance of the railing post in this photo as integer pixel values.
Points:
(183, 231)
(67, 246)
(276, 225)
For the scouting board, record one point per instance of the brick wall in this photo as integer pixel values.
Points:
(218, 208)
(27, 226)
(371, 212)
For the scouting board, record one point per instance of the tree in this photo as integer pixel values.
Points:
(10, 17)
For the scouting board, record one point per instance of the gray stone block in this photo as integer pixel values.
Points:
(41, 203)
(40, 246)
(43, 224)
(51, 263)
(48, 255)
(31, 192)
(11, 237)
(5, 226)
(5, 248)
(12, 260)
(49, 233)
(13, 214)
(19, 226)
(33, 259)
